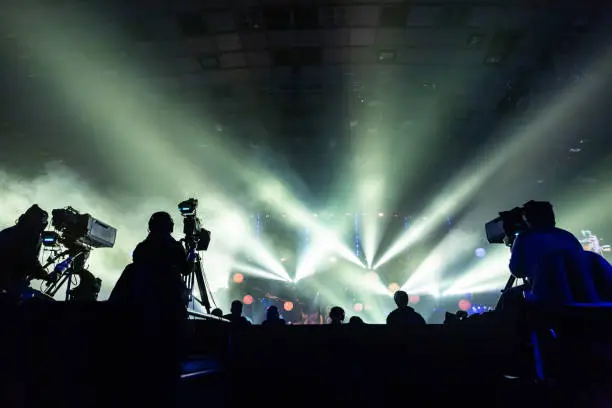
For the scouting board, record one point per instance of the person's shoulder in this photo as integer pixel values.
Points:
(393, 316)
(565, 233)
(419, 318)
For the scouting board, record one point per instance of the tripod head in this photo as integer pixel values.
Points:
(69, 262)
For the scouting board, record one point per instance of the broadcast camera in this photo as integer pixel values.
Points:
(194, 233)
(79, 229)
(505, 228)
(78, 234)
(196, 239)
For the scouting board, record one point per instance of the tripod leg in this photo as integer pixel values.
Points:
(199, 275)
(55, 286)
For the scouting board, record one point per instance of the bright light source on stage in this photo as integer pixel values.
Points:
(238, 278)
(480, 252)
(380, 214)
(245, 268)
(414, 299)
(371, 276)
(288, 306)
(464, 305)
(358, 307)
(393, 287)
(283, 260)
(247, 299)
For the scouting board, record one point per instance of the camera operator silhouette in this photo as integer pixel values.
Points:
(152, 291)
(551, 260)
(19, 248)
(154, 280)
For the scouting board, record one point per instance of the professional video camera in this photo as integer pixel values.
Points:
(511, 223)
(196, 239)
(505, 228)
(192, 228)
(74, 237)
(79, 229)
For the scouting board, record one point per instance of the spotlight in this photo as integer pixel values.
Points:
(247, 299)
(380, 214)
(480, 252)
(393, 287)
(358, 307)
(371, 276)
(414, 299)
(464, 305)
(288, 306)
(283, 259)
(238, 278)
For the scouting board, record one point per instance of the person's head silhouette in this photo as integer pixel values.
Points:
(539, 214)
(401, 298)
(336, 315)
(161, 223)
(272, 313)
(217, 312)
(356, 321)
(35, 218)
(236, 308)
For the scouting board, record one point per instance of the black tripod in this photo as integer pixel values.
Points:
(73, 264)
(508, 292)
(196, 276)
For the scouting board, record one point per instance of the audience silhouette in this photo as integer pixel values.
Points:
(273, 317)
(217, 312)
(356, 321)
(404, 315)
(236, 316)
(336, 316)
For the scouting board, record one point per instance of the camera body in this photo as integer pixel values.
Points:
(195, 235)
(80, 229)
(78, 234)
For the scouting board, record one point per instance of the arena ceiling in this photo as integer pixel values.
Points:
(299, 80)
